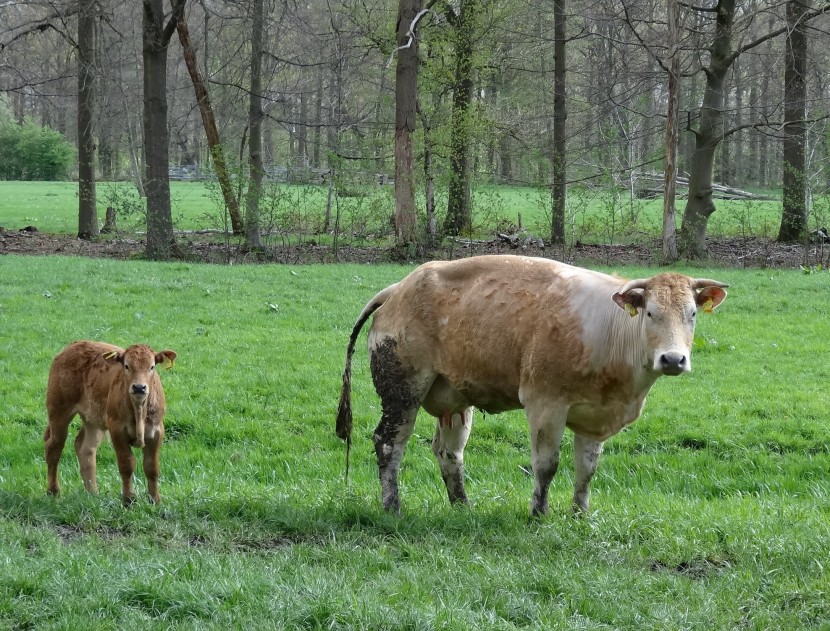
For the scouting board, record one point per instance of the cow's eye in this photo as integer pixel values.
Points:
(152, 368)
(648, 313)
(126, 366)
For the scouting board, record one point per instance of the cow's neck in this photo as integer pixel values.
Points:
(140, 417)
(623, 343)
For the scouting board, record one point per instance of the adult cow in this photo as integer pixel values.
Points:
(113, 390)
(573, 347)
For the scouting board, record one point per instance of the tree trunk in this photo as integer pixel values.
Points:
(669, 236)
(794, 216)
(87, 210)
(252, 228)
(459, 211)
(209, 121)
(738, 175)
(406, 93)
(156, 38)
(700, 206)
(560, 115)
(764, 143)
(318, 119)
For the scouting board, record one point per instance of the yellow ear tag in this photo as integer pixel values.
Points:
(168, 364)
(631, 309)
(110, 355)
(708, 306)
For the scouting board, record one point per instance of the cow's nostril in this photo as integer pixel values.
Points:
(672, 361)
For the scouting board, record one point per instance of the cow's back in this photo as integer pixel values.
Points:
(80, 380)
(476, 321)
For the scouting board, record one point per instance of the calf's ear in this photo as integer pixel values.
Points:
(709, 298)
(113, 357)
(168, 357)
(630, 301)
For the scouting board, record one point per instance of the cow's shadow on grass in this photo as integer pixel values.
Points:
(261, 524)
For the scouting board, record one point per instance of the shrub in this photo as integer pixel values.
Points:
(33, 152)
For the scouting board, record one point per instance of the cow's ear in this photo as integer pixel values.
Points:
(709, 298)
(166, 356)
(630, 301)
(113, 357)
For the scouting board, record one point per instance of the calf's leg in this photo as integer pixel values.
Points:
(86, 448)
(547, 424)
(126, 464)
(54, 438)
(451, 434)
(151, 466)
(586, 458)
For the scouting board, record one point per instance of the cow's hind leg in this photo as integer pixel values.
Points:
(54, 438)
(586, 457)
(401, 391)
(451, 434)
(547, 425)
(86, 447)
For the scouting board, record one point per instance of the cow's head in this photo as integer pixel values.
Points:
(669, 304)
(139, 362)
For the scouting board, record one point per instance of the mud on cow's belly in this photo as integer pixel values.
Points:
(600, 422)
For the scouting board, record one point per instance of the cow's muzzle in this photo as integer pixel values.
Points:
(139, 390)
(673, 363)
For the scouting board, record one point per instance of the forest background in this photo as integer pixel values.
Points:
(431, 100)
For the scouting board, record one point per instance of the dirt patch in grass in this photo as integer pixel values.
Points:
(737, 252)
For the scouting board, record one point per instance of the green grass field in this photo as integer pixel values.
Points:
(711, 512)
(593, 215)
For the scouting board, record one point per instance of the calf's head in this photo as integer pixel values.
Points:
(139, 364)
(668, 305)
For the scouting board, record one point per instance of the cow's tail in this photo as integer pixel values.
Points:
(343, 427)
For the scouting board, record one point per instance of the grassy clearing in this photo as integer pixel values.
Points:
(296, 212)
(711, 512)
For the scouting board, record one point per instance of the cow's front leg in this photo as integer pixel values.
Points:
(86, 448)
(586, 458)
(126, 464)
(451, 434)
(547, 424)
(152, 447)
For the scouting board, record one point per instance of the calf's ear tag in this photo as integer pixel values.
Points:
(630, 309)
(708, 306)
(112, 354)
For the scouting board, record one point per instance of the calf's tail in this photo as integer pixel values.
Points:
(343, 427)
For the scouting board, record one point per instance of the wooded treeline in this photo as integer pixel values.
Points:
(437, 94)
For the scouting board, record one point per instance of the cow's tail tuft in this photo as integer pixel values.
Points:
(343, 427)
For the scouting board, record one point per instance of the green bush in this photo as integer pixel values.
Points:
(33, 152)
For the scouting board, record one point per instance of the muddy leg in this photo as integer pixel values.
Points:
(547, 424)
(54, 439)
(451, 434)
(126, 465)
(401, 390)
(86, 447)
(391, 437)
(586, 457)
(151, 466)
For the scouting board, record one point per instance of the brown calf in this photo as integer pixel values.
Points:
(113, 390)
